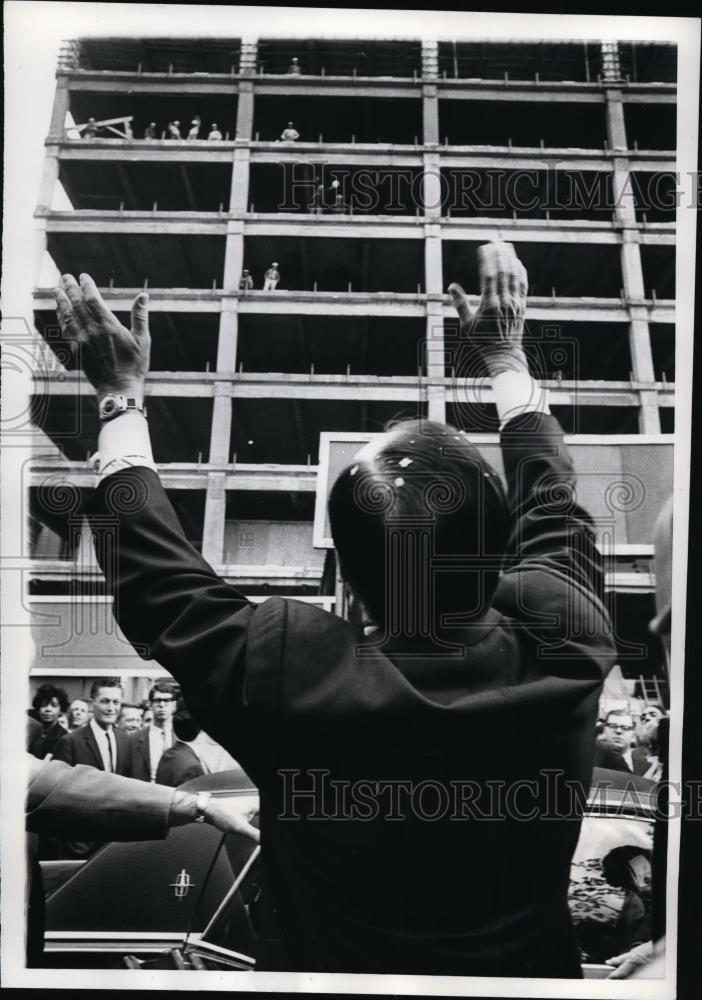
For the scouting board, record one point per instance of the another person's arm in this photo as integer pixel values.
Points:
(70, 801)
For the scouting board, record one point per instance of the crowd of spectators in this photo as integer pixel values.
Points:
(627, 741)
(155, 741)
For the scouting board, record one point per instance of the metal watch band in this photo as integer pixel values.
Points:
(113, 404)
(203, 799)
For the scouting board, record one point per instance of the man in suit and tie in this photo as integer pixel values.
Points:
(98, 744)
(148, 746)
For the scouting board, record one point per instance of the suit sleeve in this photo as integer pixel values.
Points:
(553, 570)
(66, 801)
(169, 602)
(549, 528)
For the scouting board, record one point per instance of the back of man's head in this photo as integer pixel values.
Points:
(423, 492)
(184, 726)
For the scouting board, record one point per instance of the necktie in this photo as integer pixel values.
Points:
(110, 751)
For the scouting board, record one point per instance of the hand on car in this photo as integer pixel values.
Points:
(114, 359)
(629, 961)
(234, 814)
(496, 328)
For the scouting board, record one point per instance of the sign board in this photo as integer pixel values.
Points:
(623, 481)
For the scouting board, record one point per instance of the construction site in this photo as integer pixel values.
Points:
(409, 155)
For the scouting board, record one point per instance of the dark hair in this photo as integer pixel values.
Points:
(184, 726)
(45, 693)
(615, 866)
(426, 482)
(104, 682)
(129, 704)
(163, 687)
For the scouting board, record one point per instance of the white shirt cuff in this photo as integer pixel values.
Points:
(123, 443)
(517, 393)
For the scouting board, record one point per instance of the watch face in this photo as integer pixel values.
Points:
(108, 406)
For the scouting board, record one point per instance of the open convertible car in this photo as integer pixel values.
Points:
(189, 902)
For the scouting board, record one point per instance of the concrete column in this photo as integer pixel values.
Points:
(215, 512)
(239, 192)
(49, 177)
(632, 271)
(430, 59)
(623, 193)
(249, 54)
(40, 245)
(227, 338)
(435, 360)
(430, 114)
(649, 414)
(59, 110)
(642, 369)
(616, 128)
(244, 111)
(431, 186)
(233, 256)
(433, 265)
(221, 432)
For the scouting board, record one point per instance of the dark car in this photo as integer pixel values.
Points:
(189, 902)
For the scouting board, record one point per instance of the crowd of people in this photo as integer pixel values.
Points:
(629, 741)
(155, 741)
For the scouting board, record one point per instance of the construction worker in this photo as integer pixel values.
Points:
(290, 133)
(194, 132)
(246, 282)
(317, 204)
(174, 130)
(271, 278)
(294, 67)
(214, 134)
(91, 129)
(338, 206)
(150, 131)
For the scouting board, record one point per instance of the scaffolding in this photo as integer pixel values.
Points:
(360, 329)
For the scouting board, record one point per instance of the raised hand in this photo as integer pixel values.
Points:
(496, 328)
(114, 359)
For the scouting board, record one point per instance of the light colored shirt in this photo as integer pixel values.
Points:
(107, 745)
(160, 740)
(517, 393)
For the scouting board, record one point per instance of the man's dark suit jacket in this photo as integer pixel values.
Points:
(139, 758)
(606, 756)
(293, 693)
(178, 764)
(80, 747)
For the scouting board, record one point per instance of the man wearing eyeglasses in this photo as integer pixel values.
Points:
(618, 736)
(148, 746)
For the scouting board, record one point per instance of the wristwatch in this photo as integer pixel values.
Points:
(203, 799)
(111, 405)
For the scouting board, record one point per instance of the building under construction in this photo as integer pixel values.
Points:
(410, 154)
